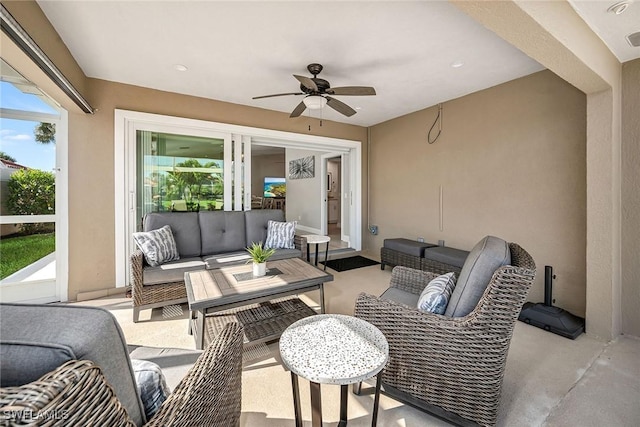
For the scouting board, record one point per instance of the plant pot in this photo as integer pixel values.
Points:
(259, 269)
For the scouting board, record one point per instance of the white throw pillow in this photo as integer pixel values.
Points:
(158, 246)
(280, 234)
(435, 296)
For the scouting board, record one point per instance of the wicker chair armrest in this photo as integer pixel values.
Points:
(75, 393)
(300, 243)
(410, 279)
(211, 393)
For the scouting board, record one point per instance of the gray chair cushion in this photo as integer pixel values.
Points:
(406, 246)
(485, 258)
(184, 226)
(172, 271)
(400, 296)
(38, 337)
(447, 255)
(174, 362)
(226, 259)
(222, 231)
(257, 221)
(241, 257)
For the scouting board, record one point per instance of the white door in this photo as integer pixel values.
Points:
(33, 206)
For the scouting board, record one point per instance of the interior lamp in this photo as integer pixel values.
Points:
(315, 102)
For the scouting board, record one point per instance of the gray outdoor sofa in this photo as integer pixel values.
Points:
(206, 239)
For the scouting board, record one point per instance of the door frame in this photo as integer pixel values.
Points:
(124, 166)
(13, 291)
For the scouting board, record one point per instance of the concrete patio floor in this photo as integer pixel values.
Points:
(549, 380)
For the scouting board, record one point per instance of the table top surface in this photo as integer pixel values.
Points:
(210, 288)
(317, 238)
(334, 349)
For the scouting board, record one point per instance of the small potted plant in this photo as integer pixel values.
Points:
(259, 255)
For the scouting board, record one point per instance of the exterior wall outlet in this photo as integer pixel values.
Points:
(373, 229)
(421, 239)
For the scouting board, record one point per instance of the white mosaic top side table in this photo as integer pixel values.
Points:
(333, 349)
(317, 240)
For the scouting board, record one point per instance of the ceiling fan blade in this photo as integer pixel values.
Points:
(340, 107)
(277, 94)
(352, 90)
(307, 82)
(298, 110)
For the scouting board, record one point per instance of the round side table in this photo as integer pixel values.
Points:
(333, 349)
(317, 240)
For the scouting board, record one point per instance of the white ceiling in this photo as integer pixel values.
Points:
(612, 28)
(237, 50)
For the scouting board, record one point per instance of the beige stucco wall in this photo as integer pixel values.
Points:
(511, 163)
(631, 197)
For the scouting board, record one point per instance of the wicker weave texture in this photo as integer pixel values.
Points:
(455, 363)
(438, 267)
(211, 393)
(74, 394)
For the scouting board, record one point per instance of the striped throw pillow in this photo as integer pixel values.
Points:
(435, 296)
(280, 234)
(158, 246)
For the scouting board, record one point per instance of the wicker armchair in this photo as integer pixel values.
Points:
(77, 393)
(451, 367)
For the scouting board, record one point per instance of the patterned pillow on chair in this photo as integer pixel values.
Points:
(436, 294)
(158, 246)
(280, 235)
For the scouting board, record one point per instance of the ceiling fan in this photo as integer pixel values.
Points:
(317, 93)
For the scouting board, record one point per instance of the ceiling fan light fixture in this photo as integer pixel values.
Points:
(315, 102)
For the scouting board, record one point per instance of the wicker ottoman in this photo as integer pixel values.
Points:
(403, 252)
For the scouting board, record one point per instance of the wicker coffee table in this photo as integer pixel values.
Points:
(233, 294)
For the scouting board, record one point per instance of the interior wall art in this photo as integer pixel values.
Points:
(302, 168)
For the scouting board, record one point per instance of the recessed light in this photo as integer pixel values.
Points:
(358, 108)
(620, 7)
(180, 67)
(457, 64)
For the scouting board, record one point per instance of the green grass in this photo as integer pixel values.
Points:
(19, 252)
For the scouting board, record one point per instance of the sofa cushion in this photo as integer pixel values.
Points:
(174, 362)
(403, 297)
(485, 258)
(257, 222)
(222, 231)
(280, 235)
(185, 228)
(435, 296)
(157, 246)
(171, 271)
(446, 255)
(152, 386)
(86, 333)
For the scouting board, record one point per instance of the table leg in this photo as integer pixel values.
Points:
(322, 298)
(376, 400)
(316, 260)
(308, 255)
(296, 399)
(200, 330)
(326, 256)
(344, 393)
(316, 405)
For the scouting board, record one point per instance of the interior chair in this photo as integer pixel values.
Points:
(450, 366)
(77, 393)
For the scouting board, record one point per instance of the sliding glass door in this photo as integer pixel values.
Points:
(178, 173)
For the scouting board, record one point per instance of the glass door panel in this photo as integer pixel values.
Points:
(178, 173)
